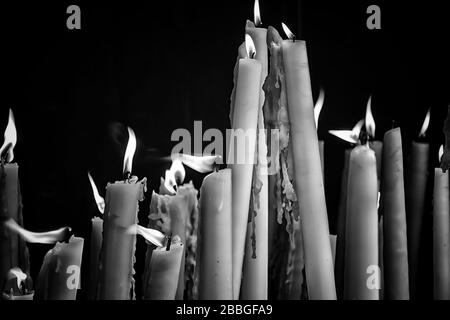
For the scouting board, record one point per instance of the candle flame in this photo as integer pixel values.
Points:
(378, 200)
(287, 31)
(20, 276)
(351, 136)
(318, 107)
(174, 176)
(257, 14)
(441, 152)
(426, 123)
(10, 138)
(98, 198)
(129, 152)
(151, 235)
(202, 164)
(38, 237)
(250, 46)
(370, 121)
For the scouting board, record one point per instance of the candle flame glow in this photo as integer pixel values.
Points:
(129, 152)
(20, 276)
(10, 138)
(202, 164)
(318, 107)
(441, 152)
(174, 176)
(426, 123)
(257, 14)
(98, 198)
(351, 136)
(38, 237)
(370, 121)
(151, 235)
(250, 46)
(287, 31)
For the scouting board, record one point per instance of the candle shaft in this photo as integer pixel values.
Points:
(441, 235)
(394, 233)
(308, 173)
(215, 273)
(415, 183)
(245, 117)
(164, 271)
(117, 257)
(341, 222)
(361, 232)
(94, 257)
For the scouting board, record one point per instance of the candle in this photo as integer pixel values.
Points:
(59, 277)
(284, 228)
(95, 243)
(215, 268)
(441, 236)
(415, 188)
(13, 250)
(361, 231)
(161, 282)
(308, 173)
(117, 255)
(394, 233)
(94, 256)
(177, 215)
(18, 286)
(341, 221)
(255, 270)
(245, 120)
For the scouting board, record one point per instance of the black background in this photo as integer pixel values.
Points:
(160, 66)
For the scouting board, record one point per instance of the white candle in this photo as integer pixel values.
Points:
(308, 173)
(361, 232)
(441, 235)
(215, 268)
(394, 233)
(245, 117)
(255, 272)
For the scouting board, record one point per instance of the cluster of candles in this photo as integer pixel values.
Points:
(226, 243)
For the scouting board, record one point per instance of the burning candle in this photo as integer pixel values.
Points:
(416, 183)
(361, 232)
(351, 136)
(255, 270)
(308, 172)
(394, 233)
(245, 107)
(215, 268)
(441, 235)
(59, 276)
(117, 255)
(163, 272)
(13, 250)
(176, 213)
(95, 243)
(18, 286)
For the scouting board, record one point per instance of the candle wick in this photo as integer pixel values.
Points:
(393, 124)
(169, 241)
(127, 176)
(69, 234)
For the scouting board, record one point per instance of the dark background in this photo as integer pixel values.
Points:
(158, 67)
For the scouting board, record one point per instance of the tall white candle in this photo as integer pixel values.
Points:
(308, 173)
(441, 235)
(215, 268)
(245, 117)
(361, 232)
(255, 277)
